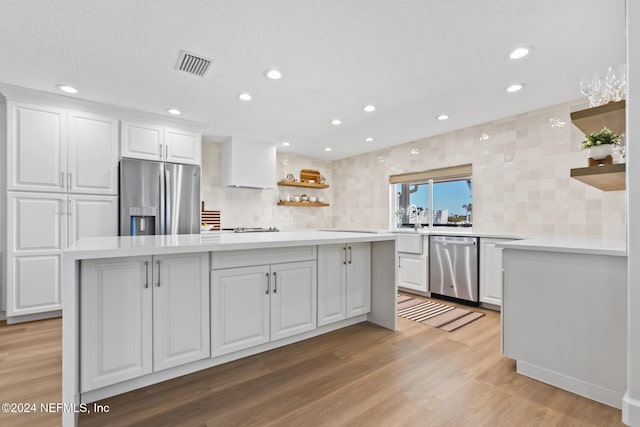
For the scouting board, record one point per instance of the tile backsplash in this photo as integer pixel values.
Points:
(521, 182)
(245, 207)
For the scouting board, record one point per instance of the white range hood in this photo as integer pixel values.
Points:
(247, 163)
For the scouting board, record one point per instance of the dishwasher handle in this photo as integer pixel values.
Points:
(455, 242)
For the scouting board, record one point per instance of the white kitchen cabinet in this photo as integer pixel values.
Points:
(92, 216)
(491, 271)
(35, 244)
(239, 308)
(180, 309)
(182, 146)
(56, 150)
(115, 321)
(344, 281)
(141, 315)
(411, 271)
(92, 154)
(141, 141)
(358, 279)
(255, 305)
(293, 299)
(44, 224)
(36, 147)
(160, 143)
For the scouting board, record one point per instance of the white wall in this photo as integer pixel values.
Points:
(631, 403)
(521, 182)
(244, 207)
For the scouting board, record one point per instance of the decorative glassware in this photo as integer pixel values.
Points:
(590, 86)
(616, 81)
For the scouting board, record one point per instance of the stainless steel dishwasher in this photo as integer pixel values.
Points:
(453, 267)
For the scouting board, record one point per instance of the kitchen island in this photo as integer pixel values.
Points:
(564, 314)
(141, 310)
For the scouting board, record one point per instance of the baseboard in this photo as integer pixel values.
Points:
(490, 306)
(630, 410)
(31, 317)
(574, 385)
(3, 315)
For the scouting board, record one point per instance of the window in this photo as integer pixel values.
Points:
(436, 198)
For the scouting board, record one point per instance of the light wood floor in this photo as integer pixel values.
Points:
(359, 376)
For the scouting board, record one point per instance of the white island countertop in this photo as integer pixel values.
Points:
(587, 246)
(105, 247)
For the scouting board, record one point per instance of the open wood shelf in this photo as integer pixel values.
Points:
(302, 184)
(605, 177)
(307, 204)
(611, 115)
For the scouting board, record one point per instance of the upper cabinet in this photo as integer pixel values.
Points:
(160, 143)
(182, 146)
(92, 154)
(247, 163)
(56, 150)
(36, 147)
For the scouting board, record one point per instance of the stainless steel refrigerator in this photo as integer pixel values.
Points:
(159, 198)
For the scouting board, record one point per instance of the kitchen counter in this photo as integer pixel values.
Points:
(454, 231)
(564, 313)
(104, 247)
(119, 273)
(570, 245)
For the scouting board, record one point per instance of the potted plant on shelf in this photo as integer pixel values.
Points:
(600, 146)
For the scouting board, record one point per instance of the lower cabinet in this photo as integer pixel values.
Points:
(411, 271)
(42, 226)
(255, 305)
(344, 281)
(140, 315)
(491, 271)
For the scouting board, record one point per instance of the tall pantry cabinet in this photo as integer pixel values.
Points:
(61, 184)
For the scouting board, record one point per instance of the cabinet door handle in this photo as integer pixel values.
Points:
(69, 180)
(275, 283)
(161, 150)
(69, 207)
(62, 212)
(166, 151)
(350, 255)
(399, 262)
(266, 291)
(344, 248)
(158, 263)
(146, 274)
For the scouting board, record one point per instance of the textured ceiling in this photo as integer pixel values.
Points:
(413, 59)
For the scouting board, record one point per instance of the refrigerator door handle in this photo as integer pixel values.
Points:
(162, 214)
(168, 209)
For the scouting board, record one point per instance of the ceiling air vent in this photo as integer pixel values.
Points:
(193, 64)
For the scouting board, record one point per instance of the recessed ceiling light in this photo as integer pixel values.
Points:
(515, 87)
(286, 143)
(174, 111)
(520, 52)
(336, 122)
(273, 74)
(369, 108)
(67, 88)
(368, 139)
(442, 117)
(328, 149)
(244, 96)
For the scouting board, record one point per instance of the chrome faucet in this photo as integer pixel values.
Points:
(416, 213)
